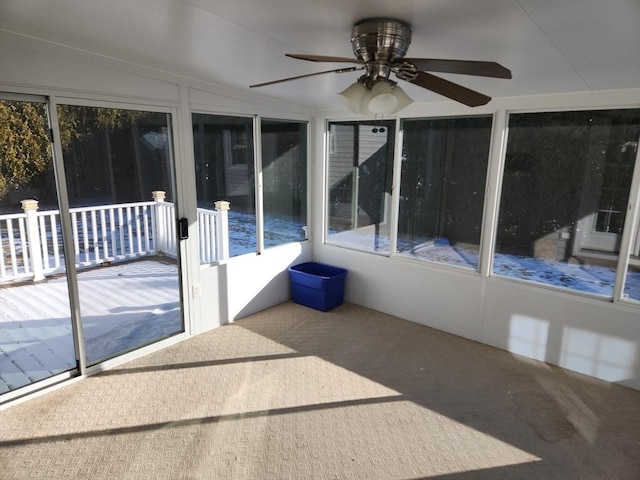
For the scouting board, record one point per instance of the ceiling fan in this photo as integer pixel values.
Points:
(379, 46)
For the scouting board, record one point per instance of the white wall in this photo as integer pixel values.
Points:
(256, 282)
(248, 284)
(588, 335)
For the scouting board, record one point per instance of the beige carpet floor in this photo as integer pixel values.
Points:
(292, 393)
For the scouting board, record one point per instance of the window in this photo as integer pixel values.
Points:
(359, 182)
(444, 165)
(284, 177)
(223, 149)
(566, 185)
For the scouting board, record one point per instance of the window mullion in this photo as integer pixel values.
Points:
(395, 190)
(257, 154)
(67, 237)
(492, 192)
(631, 225)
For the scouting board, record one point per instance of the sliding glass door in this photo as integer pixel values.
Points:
(89, 244)
(36, 334)
(119, 173)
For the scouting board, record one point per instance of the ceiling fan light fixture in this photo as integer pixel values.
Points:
(364, 106)
(403, 100)
(382, 98)
(353, 96)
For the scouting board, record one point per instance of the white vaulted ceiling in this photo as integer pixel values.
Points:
(551, 46)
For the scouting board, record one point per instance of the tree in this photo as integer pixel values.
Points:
(24, 144)
(25, 152)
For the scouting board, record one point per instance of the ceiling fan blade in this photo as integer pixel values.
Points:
(323, 58)
(464, 67)
(450, 90)
(337, 70)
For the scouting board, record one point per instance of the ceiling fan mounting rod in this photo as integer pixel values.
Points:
(378, 70)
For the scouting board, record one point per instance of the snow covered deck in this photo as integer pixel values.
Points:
(123, 306)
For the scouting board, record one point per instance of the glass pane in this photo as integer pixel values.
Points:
(119, 173)
(36, 337)
(360, 178)
(284, 178)
(632, 280)
(632, 283)
(444, 168)
(566, 184)
(223, 149)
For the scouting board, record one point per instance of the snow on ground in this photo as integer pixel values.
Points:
(122, 306)
(593, 279)
(277, 230)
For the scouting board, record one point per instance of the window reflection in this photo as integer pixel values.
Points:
(444, 165)
(284, 178)
(360, 177)
(223, 149)
(566, 185)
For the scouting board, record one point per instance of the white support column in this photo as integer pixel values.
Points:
(160, 232)
(33, 238)
(222, 235)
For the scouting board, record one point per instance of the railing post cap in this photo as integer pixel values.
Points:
(29, 204)
(222, 205)
(159, 195)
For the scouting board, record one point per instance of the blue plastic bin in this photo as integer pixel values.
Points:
(317, 286)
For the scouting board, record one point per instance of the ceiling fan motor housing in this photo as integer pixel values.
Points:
(378, 42)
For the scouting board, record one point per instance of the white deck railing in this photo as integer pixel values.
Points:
(213, 247)
(31, 242)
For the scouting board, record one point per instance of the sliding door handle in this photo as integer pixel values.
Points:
(183, 228)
